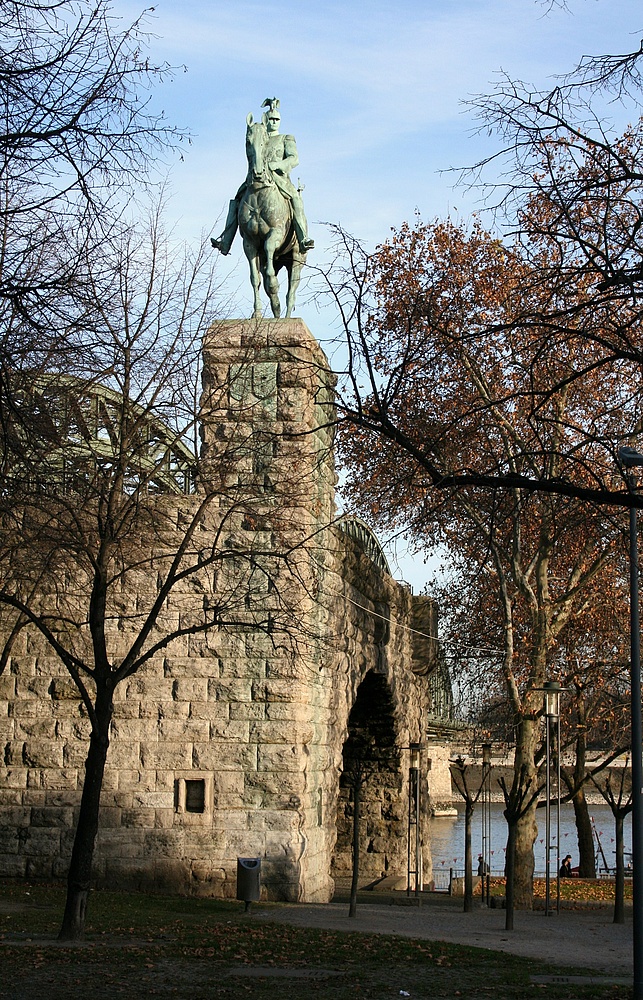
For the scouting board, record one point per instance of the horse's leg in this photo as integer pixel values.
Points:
(255, 277)
(270, 282)
(294, 274)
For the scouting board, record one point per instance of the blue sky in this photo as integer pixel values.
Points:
(373, 92)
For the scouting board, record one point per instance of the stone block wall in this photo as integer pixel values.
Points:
(377, 635)
(231, 743)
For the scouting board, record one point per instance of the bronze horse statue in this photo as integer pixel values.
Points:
(266, 225)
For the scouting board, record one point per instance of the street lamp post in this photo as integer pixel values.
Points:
(414, 838)
(629, 459)
(551, 707)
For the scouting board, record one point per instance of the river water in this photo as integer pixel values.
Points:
(447, 839)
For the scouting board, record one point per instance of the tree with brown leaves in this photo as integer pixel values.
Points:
(457, 394)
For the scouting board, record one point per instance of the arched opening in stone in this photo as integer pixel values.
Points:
(371, 758)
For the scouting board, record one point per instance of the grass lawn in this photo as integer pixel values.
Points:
(158, 946)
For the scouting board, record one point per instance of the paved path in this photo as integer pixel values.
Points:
(575, 938)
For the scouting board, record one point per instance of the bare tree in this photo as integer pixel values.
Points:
(619, 800)
(470, 797)
(571, 182)
(77, 137)
(109, 513)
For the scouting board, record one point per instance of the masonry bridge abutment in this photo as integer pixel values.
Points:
(244, 741)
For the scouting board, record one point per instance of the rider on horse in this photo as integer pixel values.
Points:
(281, 155)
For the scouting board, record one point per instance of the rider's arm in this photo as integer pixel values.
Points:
(290, 159)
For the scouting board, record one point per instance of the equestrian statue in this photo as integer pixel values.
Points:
(269, 212)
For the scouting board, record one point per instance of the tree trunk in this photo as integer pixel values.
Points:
(526, 829)
(357, 789)
(586, 850)
(586, 853)
(510, 872)
(80, 866)
(525, 835)
(468, 869)
(619, 889)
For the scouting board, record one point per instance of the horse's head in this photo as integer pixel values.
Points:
(256, 138)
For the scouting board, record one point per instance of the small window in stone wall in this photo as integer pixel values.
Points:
(195, 796)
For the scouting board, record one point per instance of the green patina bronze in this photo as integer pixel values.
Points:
(268, 211)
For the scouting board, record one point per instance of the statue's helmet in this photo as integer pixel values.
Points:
(272, 103)
(272, 114)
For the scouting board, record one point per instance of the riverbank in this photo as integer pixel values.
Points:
(446, 835)
(502, 768)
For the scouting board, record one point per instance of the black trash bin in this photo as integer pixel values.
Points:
(249, 879)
